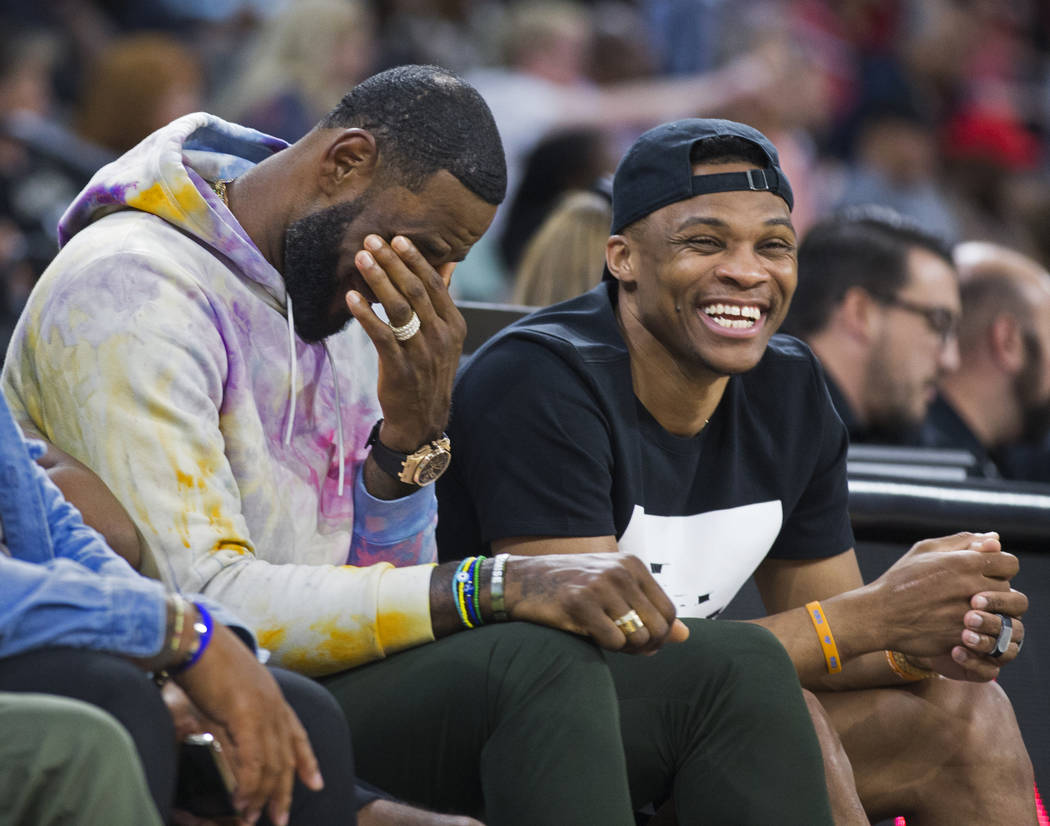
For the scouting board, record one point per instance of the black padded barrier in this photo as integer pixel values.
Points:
(484, 320)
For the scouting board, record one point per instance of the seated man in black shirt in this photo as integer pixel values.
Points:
(997, 405)
(657, 415)
(878, 302)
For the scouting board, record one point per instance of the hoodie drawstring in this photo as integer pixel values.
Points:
(338, 418)
(290, 415)
(292, 368)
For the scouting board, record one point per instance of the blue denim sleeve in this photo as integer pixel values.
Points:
(63, 602)
(86, 596)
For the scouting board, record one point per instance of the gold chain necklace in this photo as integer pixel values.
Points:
(219, 188)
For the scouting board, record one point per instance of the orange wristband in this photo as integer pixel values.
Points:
(827, 639)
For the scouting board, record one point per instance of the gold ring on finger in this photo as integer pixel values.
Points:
(630, 622)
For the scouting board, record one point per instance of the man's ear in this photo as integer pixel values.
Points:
(619, 260)
(858, 314)
(1006, 343)
(348, 162)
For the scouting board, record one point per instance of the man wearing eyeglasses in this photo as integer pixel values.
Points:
(878, 302)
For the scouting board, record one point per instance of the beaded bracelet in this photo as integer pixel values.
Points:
(475, 583)
(499, 568)
(905, 669)
(827, 639)
(203, 626)
(460, 582)
(179, 622)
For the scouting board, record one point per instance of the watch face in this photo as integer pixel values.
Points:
(432, 466)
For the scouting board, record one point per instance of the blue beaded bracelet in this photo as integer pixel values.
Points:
(203, 626)
(459, 590)
(474, 604)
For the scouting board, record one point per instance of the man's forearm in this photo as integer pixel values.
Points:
(859, 636)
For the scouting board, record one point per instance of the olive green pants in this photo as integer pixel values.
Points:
(64, 762)
(518, 724)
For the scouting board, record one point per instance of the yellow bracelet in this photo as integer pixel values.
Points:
(905, 669)
(827, 639)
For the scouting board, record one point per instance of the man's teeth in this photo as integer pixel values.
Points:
(733, 315)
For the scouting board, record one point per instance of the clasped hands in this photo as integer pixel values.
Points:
(944, 601)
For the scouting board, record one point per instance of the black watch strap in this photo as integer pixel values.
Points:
(390, 461)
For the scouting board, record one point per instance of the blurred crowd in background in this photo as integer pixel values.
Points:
(937, 108)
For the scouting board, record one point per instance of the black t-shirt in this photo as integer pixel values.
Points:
(549, 439)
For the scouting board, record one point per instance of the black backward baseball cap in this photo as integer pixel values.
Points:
(657, 171)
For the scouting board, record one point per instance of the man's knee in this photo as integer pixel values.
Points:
(98, 737)
(70, 731)
(60, 755)
(979, 719)
(493, 669)
(526, 659)
(742, 651)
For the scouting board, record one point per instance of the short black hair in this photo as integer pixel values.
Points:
(865, 246)
(425, 119)
(724, 149)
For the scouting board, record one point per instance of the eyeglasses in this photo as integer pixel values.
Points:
(941, 321)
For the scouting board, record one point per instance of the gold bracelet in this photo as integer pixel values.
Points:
(906, 669)
(827, 639)
(179, 624)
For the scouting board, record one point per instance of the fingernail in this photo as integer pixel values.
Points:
(960, 655)
(980, 602)
(364, 259)
(974, 620)
(282, 819)
(316, 781)
(373, 242)
(971, 637)
(354, 297)
(400, 243)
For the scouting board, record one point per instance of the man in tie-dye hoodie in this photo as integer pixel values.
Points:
(190, 344)
(159, 353)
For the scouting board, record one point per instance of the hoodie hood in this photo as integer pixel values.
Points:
(168, 175)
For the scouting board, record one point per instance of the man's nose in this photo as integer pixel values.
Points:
(742, 267)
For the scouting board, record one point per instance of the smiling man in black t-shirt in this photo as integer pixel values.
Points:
(658, 415)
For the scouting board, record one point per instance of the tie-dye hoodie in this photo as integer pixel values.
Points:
(156, 349)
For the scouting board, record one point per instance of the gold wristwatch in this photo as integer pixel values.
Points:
(420, 468)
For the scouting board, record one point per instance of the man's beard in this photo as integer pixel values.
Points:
(1035, 411)
(311, 258)
(893, 420)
